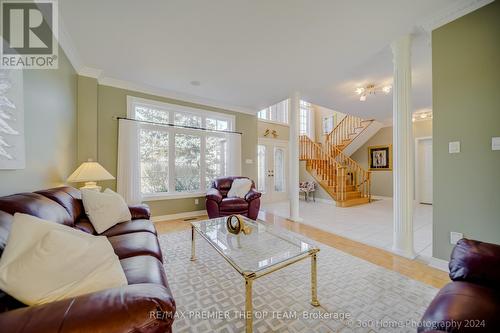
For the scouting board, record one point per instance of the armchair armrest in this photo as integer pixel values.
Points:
(476, 262)
(252, 195)
(133, 308)
(140, 211)
(214, 194)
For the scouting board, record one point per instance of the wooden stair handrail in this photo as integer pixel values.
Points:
(337, 170)
(344, 129)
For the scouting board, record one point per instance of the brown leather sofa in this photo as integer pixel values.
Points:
(218, 204)
(144, 305)
(471, 302)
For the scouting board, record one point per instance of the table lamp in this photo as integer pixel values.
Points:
(90, 172)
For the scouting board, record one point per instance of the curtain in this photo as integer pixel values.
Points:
(128, 173)
(234, 154)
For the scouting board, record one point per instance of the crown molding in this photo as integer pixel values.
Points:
(150, 90)
(451, 13)
(90, 72)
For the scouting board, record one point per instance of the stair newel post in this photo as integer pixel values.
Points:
(369, 180)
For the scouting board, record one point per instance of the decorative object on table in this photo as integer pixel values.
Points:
(235, 224)
(308, 187)
(90, 172)
(219, 203)
(380, 158)
(12, 147)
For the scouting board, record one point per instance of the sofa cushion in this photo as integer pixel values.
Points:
(68, 197)
(136, 244)
(105, 209)
(36, 249)
(460, 302)
(233, 205)
(144, 269)
(84, 225)
(37, 205)
(129, 227)
(239, 188)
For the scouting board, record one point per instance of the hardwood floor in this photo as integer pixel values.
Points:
(411, 268)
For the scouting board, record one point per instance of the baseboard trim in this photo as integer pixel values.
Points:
(160, 218)
(439, 264)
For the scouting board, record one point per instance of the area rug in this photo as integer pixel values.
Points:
(355, 295)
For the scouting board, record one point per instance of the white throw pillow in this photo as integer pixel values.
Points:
(105, 209)
(239, 188)
(44, 262)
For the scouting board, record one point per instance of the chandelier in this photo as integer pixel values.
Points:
(371, 89)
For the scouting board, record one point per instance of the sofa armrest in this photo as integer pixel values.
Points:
(252, 195)
(133, 308)
(140, 211)
(476, 262)
(214, 194)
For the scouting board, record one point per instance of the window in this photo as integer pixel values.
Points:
(276, 113)
(305, 118)
(177, 160)
(328, 123)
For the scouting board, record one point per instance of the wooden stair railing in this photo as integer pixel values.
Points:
(344, 179)
(345, 132)
(357, 175)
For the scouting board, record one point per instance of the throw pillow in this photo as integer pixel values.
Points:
(239, 188)
(105, 209)
(45, 262)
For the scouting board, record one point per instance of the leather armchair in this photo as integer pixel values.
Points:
(218, 204)
(472, 299)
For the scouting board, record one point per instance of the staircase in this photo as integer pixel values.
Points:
(341, 177)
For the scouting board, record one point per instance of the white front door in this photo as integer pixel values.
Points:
(424, 171)
(272, 160)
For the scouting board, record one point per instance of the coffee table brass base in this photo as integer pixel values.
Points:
(251, 276)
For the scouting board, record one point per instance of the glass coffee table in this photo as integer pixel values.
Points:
(265, 250)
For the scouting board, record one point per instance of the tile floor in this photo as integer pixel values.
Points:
(370, 224)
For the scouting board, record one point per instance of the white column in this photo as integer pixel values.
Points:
(293, 178)
(402, 148)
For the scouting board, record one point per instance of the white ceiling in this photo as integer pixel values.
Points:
(254, 53)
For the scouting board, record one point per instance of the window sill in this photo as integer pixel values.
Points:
(165, 196)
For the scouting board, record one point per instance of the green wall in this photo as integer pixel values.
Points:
(466, 108)
(50, 127)
(112, 102)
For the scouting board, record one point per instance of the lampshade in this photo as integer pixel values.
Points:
(89, 172)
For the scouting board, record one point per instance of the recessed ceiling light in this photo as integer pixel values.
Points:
(195, 83)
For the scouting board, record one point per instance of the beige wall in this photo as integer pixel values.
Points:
(319, 113)
(50, 123)
(283, 131)
(382, 180)
(466, 107)
(112, 102)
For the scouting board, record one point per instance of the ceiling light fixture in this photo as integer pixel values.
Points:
(371, 89)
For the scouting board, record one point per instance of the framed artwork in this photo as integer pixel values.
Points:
(12, 150)
(380, 158)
